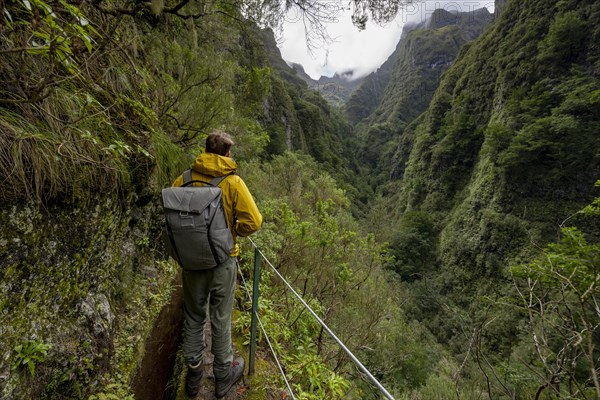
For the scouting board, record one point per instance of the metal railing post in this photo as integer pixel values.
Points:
(253, 322)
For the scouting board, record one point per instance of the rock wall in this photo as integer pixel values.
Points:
(80, 288)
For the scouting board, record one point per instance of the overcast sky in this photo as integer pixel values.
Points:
(361, 51)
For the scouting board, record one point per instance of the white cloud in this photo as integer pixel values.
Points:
(361, 51)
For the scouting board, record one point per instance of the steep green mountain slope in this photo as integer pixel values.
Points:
(295, 115)
(421, 56)
(507, 153)
(424, 55)
(409, 79)
(298, 117)
(512, 128)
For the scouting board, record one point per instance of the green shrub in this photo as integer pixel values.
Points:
(29, 354)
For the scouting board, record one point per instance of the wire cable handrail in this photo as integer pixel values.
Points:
(342, 345)
(287, 383)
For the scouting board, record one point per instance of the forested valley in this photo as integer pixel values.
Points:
(441, 215)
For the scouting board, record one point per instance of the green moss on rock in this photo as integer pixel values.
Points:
(74, 278)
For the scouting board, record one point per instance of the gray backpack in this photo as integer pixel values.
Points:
(196, 224)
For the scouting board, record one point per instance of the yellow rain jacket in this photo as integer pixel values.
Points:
(243, 216)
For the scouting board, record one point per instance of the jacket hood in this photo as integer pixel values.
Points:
(212, 164)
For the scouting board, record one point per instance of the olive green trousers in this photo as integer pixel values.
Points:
(209, 291)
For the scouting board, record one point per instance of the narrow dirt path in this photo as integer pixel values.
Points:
(161, 353)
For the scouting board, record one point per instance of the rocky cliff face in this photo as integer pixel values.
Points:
(499, 7)
(69, 277)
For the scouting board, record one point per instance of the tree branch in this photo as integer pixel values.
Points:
(187, 89)
(178, 7)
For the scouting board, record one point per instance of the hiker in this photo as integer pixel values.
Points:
(212, 290)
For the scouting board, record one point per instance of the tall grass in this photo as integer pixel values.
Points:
(41, 163)
(170, 160)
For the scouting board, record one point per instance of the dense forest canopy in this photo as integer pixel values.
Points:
(450, 236)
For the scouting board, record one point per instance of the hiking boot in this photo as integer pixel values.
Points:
(193, 379)
(222, 386)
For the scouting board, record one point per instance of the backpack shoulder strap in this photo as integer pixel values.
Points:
(217, 180)
(187, 179)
